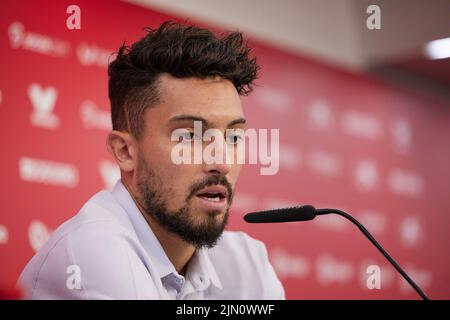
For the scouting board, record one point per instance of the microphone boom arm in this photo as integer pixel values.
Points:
(377, 245)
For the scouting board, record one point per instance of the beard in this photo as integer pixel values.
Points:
(197, 229)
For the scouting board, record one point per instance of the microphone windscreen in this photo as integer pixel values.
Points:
(302, 213)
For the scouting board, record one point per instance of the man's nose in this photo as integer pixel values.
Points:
(218, 169)
(218, 165)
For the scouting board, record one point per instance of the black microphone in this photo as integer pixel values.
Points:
(307, 212)
(302, 213)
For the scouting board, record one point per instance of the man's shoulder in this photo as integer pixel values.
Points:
(101, 220)
(93, 237)
(100, 212)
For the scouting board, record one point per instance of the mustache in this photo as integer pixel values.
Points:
(211, 181)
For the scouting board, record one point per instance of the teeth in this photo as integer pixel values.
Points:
(215, 199)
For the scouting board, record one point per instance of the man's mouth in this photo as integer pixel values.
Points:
(213, 193)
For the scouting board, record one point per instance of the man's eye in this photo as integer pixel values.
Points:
(189, 136)
(234, 139)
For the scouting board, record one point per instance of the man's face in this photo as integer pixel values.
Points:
(190, 200)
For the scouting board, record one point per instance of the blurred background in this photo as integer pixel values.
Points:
(360, 94)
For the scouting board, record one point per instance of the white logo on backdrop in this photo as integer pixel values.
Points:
(386, 272)
(27, 40)
(48, 172)
(289, 157)
(73, 22)
(38, 234)
(94, 117)
(373, 281)
(405, 183)
(110, 173)
(330, 270)
(402, 136)
(287, 265)
(411, 231)
(43, 101)
(361, 125)
(374, 221)
(273, 99)
(324, 163)
(4, 235)
(366, 176)
(320, 115)
(92, 55)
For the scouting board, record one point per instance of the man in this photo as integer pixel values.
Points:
(159, 233)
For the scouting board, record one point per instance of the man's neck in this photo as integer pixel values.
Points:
(178, 251)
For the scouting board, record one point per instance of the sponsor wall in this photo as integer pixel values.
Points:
(346, 141)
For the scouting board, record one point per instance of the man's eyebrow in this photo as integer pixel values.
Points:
(237, 121)
(186, 117)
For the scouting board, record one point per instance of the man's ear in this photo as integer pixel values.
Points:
(123, 148)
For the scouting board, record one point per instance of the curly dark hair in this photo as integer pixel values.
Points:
(181, 51)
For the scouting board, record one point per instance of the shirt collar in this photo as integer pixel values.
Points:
(200, 267)
(204, 269)
(143, 231)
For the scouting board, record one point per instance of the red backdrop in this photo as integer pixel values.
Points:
(346, 141)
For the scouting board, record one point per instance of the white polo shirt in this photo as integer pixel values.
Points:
(108, 251)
